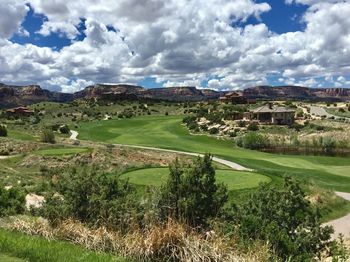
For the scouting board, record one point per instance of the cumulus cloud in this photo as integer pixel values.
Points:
(177, 42)
(12, 13)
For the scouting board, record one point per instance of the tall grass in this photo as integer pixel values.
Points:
(169, 242)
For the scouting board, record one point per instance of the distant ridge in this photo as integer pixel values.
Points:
(11, 95)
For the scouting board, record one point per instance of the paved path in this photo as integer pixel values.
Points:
(74, 135)
(320, 111)
(341, 225)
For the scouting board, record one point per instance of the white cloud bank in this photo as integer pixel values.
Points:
(178, 42)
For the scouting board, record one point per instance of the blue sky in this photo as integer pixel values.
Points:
(221, 44)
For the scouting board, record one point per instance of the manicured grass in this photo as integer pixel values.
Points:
(62, 151)
(234, 180)
(38, 249)
(168, 132)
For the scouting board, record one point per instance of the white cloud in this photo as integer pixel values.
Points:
(178, 42)
(12, 13)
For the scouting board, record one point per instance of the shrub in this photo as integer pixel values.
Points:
(341, 110)
(92, 198)
(213, 130)
(242, 123)
(285, 219)
(47, 136)
(191, 193)
(253, 140)
(64, 129)
(253, 127)
(3, 130)
(11, 201)
(328, 145)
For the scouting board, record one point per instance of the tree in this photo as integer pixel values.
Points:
(285, 219)
(3, 130)
(191, 193)
(47, 136)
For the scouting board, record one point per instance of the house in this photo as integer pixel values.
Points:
(234, 98)
(271, 114)
(20, 111)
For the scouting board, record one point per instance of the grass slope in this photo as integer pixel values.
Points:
(167, 132)
(20, 247)
(234, 180)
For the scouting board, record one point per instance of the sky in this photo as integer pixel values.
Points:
(218, 44)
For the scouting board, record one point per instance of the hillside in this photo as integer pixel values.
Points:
(297, 93)
(11, 96)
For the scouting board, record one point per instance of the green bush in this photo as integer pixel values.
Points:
(3, 130)
(328, 145)
(253, 140)
(253, 127)
(286, 220)
(92, 198)
(213, 130)
(64, 129)
(191, 193)
(12, 201)
(47, 136)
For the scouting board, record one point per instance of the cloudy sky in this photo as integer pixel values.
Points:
(221, 44)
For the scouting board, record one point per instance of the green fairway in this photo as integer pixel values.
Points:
(234, 180)
(20, 247)
(62, 151)
(168, 132)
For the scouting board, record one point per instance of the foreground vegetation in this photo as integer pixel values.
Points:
(102, 212)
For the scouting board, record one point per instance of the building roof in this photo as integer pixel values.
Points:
(272, 109)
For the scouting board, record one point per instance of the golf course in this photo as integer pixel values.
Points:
(167, 132)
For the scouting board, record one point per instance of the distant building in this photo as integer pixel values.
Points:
(19, 111)
(270, 114)
(234, 98)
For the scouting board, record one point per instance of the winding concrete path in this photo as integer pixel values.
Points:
(74, 135)
(341, 225)
(320, 111)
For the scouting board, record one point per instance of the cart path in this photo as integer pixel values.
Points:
(341, 225)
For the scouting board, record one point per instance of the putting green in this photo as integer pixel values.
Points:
(232, 179)
(62, 151)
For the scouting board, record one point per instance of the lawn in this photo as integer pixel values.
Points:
(234, 180)
(168, 132)
(62, 151)
(20, 247)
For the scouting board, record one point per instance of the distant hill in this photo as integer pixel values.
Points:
(11, 96)
(297, 93)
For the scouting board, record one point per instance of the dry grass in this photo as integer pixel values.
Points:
(171, 242)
